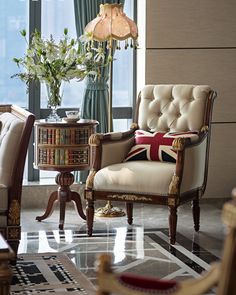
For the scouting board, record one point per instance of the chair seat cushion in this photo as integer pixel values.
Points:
(156, 146)
(147, 177)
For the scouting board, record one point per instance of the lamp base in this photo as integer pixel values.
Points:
(109, 211)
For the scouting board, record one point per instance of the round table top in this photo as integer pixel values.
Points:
(63, 122)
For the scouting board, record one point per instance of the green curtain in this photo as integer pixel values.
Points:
(95, 98)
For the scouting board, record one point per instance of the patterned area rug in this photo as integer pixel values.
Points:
(48, 273)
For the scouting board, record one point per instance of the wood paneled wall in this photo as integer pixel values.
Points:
(188, 41)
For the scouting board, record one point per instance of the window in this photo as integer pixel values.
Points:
(123, 70)
(12, 19)
(52, 16)
(57, 15)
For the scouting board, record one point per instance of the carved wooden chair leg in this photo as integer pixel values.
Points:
(129, 211)
(196, 213)
(172, 223)
(14, 245)
(90, 216)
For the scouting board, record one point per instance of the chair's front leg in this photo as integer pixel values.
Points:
(90, 216)
(172, 223)
(129, 211)
(196, 213)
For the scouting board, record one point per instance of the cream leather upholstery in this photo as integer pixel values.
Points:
(115, 152)
(134, 177)
(172, 107)
(194, 168)
(9, 138)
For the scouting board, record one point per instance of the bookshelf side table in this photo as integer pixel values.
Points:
(63, 147)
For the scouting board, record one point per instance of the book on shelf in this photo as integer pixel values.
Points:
(57, 138)
(63, 136)
(61, 156)
(57, 157)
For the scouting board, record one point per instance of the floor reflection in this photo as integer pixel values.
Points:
(135, 250)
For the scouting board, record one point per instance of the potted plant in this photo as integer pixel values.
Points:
(51, 63)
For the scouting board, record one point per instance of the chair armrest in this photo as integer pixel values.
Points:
(190, 154)
(110, 148)
(130, 284)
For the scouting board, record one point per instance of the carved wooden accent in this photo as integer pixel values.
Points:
(174, 185)
(88, 195)
(90, 179)
(14, 233)
(204, 128)
(134, 126)
(173, 201)
(14, 213)
(129, 197)
(178, 144)
(95, 139)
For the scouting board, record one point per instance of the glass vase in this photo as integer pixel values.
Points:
(54, 94)
(53, 116)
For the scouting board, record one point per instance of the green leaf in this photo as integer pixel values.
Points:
(65, 31)
(23, 32)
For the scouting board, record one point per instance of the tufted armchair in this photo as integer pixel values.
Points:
(167, 166)
(15, 129)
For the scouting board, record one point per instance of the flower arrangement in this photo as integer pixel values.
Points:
(52, 63)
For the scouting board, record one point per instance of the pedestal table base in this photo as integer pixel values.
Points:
(63, 195)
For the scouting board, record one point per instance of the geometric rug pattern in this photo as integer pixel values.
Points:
(48, 273)
(135, 250)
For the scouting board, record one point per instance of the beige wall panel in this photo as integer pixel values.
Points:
(222, 162)
(216, 68)
(189, 23)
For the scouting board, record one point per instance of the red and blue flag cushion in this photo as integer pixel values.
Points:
(156, 146)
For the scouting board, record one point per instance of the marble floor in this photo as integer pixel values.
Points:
(140, 248)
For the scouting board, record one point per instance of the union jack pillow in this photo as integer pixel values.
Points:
(156, 146)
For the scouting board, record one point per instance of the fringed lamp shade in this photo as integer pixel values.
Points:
(113, 24)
